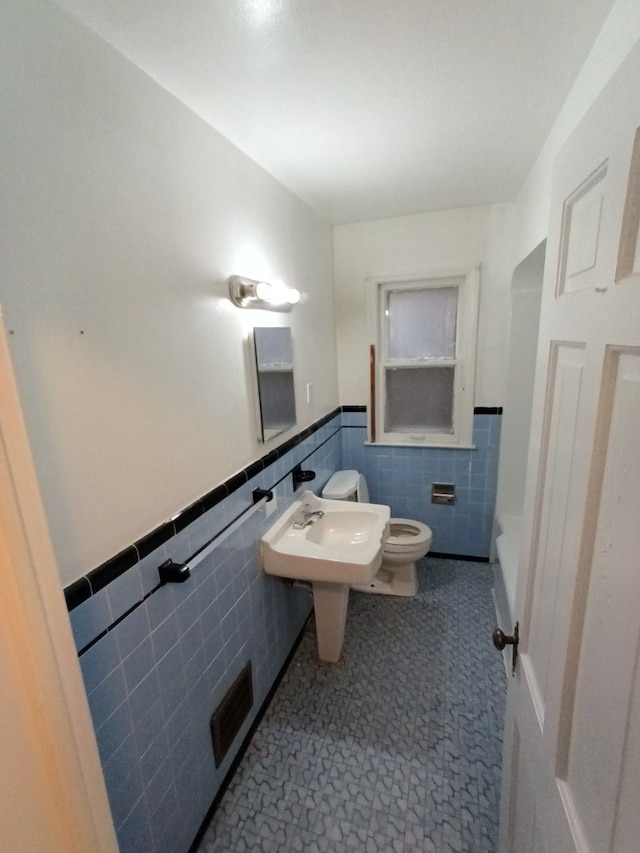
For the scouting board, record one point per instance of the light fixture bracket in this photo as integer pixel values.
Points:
(248, 293)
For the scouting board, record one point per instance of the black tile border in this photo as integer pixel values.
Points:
(77, 592)
(215, 496)
(478, 410)
(83, 588)
(95, 580)
(112, 569)
(220, 533)
(235, 482)
(188, 515)
(155, 539)
(466, 557)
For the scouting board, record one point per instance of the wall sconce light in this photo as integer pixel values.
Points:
(247, 293)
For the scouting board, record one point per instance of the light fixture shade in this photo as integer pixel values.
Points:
(247, 293)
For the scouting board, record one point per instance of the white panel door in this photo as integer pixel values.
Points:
(571, 778)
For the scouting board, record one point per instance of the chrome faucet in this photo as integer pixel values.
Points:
(305, 517)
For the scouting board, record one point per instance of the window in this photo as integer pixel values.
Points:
(425, 346)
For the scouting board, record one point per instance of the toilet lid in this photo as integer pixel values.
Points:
(341, 485)
(404, 532)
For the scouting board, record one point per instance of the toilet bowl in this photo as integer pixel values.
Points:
(407, 541)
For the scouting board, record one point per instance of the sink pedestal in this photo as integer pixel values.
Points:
(332, 545)
(330, 602)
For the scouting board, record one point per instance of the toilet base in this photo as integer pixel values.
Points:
(393, 580)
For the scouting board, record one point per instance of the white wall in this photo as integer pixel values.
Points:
(418, 244)
(499, 236)
(526, 292)
(620, 32)
(123, 216)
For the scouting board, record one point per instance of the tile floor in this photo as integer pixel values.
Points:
(397, 748)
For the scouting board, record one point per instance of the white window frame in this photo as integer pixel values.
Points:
(467, 281)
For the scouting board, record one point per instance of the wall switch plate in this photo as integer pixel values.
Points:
(309, 386)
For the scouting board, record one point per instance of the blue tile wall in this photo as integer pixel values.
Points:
(157, 661)
(155, 675)
(401, 477)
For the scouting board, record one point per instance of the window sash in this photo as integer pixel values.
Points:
(463, 364)
(417, 328)
(419, 399)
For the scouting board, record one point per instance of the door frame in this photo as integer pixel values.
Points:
(53, 792)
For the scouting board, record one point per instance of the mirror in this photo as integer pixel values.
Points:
(274, 368)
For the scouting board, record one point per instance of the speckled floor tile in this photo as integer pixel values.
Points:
(397, 747)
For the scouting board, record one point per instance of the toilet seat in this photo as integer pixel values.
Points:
(405, 534)
(407, 540)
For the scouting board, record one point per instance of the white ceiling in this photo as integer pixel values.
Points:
(366, 108)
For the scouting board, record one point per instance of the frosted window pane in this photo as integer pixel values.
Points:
(419, 399)
(422, 323)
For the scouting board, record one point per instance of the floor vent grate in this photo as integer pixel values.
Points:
(231, 713)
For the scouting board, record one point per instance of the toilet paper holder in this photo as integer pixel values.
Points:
(443, 493)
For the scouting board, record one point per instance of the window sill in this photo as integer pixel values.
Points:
(431, 446)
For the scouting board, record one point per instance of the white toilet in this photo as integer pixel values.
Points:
(407, 542)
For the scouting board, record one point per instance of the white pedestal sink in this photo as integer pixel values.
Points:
(330, 604)
(332, 544)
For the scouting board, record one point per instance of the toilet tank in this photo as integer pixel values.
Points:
(348, 485)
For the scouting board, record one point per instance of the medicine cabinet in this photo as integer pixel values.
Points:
(274, 369)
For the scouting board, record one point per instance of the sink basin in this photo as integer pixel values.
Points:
(343, 546)
(339, 530)
(333, 544)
